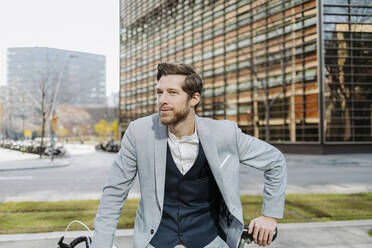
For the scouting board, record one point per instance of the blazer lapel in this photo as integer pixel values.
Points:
(210, 149)
(160, 149)
(209, 146)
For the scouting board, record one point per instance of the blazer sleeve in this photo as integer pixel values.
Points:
(115, 192)
(265, 157)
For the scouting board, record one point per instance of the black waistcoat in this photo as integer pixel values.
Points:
(191, 204)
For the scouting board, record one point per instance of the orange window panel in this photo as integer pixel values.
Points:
(207, 100)
(299, 107)
(231, 15)
(244, 8)
(311, 106)
(244, 29)
(245, 118)
(232, 118)
(219, 99)
(310, 4)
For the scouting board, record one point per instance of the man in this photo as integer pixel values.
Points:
(188, 169)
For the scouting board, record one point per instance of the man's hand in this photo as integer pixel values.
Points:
(263, 230)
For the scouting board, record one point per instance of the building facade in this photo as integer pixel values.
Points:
(296, 73)
(40, 77)
(83, 75)
(3, 91)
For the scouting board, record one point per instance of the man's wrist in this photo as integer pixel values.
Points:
(269, 218)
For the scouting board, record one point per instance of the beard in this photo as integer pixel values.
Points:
(178, 116)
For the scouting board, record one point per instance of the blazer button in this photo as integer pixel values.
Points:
(152, 231)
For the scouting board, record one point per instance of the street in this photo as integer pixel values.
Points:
(82, 179)
(88, 172)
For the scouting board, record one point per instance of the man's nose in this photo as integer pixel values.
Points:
(162, 99)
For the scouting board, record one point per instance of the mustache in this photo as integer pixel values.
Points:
(164, 108)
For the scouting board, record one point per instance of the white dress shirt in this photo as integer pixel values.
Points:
(184, 151)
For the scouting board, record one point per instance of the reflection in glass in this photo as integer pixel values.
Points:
(336, 2)
(335, 10)
(361, 19)
(335, 18)
(348, 91)
(365, 3)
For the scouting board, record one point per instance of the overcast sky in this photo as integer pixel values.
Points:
(90, 26)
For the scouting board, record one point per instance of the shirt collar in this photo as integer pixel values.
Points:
(185, 139)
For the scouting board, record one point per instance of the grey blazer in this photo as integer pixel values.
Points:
(143, 153)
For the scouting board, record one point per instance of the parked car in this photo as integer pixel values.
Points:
(112, 146)
(59, 150)
(109, 146)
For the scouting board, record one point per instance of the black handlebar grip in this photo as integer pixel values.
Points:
(61, 244)
(249, 237)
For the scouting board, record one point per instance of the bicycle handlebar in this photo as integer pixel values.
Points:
(248, 238)
(75, 242)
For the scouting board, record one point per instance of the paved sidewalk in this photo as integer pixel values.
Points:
(334, 160)
(7, 155)
(11, 160)
(337, 234)
(30, 164)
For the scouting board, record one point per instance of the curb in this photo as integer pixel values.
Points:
(130, 232)
(54, 165)
(341, 223)
(57, 235)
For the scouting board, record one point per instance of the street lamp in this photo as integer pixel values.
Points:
(54, 117)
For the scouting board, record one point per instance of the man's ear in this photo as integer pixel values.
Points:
(195, 99)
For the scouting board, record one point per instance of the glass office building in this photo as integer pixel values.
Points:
(295, 73)
(83, 79)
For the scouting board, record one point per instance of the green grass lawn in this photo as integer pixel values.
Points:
(31, 217)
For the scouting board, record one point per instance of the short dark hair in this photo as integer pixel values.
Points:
(193, 82)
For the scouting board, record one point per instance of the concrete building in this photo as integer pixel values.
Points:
(296, 73)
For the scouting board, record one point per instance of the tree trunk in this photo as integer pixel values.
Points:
(267, 124)
(42, 123)
(255, 116)
(267, 113)
(42, 136)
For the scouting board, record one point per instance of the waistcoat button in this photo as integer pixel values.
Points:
(152, 231)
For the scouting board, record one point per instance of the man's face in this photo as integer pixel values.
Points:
(173, 103)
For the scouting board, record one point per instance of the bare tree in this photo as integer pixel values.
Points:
(267, 102)
(45, 69)
(346, 78)
(269, 64)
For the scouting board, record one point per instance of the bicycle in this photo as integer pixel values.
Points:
(246, 238)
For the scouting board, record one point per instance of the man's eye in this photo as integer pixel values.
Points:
(173, 92)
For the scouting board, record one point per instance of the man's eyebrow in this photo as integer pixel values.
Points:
(168, 89)
(172, 89)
